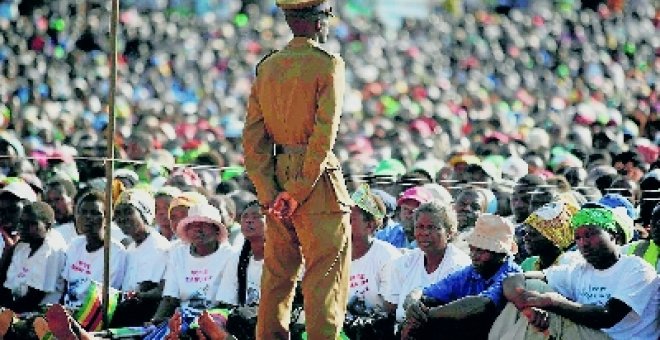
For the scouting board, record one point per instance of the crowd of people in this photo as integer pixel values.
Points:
(503, 166)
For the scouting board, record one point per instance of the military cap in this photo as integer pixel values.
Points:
(299, 4)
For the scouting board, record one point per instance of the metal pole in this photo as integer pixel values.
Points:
(109, 163)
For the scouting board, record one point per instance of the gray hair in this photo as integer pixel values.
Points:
(443, 214)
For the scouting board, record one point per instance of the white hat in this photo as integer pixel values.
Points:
(204, 213)
(494, 233)
(20, 189)
(514, 168)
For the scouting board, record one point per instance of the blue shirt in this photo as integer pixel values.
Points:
(393, 234)
(467, 282)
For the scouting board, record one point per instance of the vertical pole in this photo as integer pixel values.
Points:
(109, 162)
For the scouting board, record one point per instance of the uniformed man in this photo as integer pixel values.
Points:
(291, 126)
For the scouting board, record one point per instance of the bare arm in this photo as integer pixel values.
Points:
(463, 308)
(165, 309)
(592, 316)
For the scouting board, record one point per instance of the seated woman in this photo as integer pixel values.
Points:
(548, 236)
(84, 257)
(33, 277)
(164, 197)
(195, 268)
(178, 210)
(242, 283)
(145, 270)
(371, 257)
(435, 226)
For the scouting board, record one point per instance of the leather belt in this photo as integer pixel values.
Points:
(281, 149)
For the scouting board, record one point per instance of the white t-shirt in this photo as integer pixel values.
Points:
(228, 290)
(630, 280)
(41, 271)
(370, 273)
(195, 280)
(146, 262)
(408, 272)
(69, 233)
(82, 267)
(236, 238)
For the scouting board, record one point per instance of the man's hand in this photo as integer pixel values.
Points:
(538, 318)
(283, 206)
(541, 300)
(417, 313)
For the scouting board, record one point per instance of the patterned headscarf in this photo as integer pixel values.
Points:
(364, 199)
(601, 218)
(553, 221)
(187, 199)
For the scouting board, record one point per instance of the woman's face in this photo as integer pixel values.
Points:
(176, 215)
(162, 207)
(430, 234)
(128, 219)
(536, 243)
(202, 233)
(253, 223)
(31, 229)
(90, 216)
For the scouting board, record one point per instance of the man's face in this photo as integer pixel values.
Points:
(468, 207)
(485, 261)
(596, 245)
(61, 203)
(520, 200)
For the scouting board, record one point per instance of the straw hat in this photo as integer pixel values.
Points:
(494, 233)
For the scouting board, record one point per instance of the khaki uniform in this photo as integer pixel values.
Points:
(296, 104)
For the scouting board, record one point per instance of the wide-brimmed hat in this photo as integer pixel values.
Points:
(200, 213)
(494, 233)
(19, 188)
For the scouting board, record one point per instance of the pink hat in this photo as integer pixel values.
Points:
(204, 213)
(494, 233)
(418, 194)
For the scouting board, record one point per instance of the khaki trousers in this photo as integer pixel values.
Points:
(324, 239)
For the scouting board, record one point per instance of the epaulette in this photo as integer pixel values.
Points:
(322, 50)
(263, 59)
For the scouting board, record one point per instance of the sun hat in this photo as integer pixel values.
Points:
(494, 233)
(19, 188)
(418, 194)
(200, 213)
(141, 200)
(553, 221)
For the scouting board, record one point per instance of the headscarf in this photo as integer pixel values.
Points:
(187, 199)
(553, 221)
(364, 199)
(141, 200)
(601, 218)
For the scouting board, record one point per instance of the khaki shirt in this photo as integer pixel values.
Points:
(296, 99)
